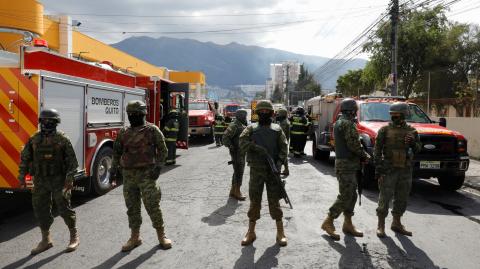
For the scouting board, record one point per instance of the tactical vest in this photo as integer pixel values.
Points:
(299, 125)
(341, 149)
(48, 156)
(219, 127)
(236, 137)
(171, 131)
(139, 148)
(266, 137)
(395, 150)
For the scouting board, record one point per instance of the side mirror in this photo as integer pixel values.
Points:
(442, 122)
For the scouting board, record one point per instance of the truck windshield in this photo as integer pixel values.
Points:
(198, 106)
(380, 112)
(232, 108)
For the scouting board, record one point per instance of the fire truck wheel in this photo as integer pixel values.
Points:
(100, 175)
(450, 182)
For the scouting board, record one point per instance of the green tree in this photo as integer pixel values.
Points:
(307, 82)
(355, 83)
(421, 33)
(277, 95)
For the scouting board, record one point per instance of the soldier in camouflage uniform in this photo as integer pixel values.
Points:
(139, 151)
(282, 120)
(49, 158)
(171, 134)
(349, 154)
(395, 146)
(219, 129)
(269, 136)
(231, 141)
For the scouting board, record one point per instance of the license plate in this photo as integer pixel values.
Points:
(430, 165)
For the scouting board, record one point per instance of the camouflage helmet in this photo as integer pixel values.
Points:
(282, 112)
(399, 107)
(49, 114)
(137, 106)
(348, 104)
(264, 104)
(241, 114)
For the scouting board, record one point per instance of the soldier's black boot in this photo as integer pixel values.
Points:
(349, 228)
(398, 227)
(281, 238)
(381, 227)
(250, 236)
(45, 244)
(329, 228)
(133, 242)
(165, 243)
(74, 240)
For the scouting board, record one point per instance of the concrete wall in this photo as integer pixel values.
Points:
(470, 128)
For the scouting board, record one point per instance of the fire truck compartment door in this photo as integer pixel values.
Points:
(104, 106)
(8, 102)
(68, 98)
(130, 96)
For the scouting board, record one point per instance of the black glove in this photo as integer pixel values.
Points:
(156, 172)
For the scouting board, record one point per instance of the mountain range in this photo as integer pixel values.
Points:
(224, 65)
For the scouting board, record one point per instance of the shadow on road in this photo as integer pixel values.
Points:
(220, 215)
(18, 263)
(112, 261)
(269, 258)
(140, 259)
(199, 141)
(412, 257)
(247, 259)
(352, 255)
(45, 260)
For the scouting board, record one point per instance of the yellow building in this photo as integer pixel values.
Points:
(22, 20)
(196, 79)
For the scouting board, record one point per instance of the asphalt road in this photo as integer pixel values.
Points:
(206, 227)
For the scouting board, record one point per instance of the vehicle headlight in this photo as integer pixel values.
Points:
(462, 145)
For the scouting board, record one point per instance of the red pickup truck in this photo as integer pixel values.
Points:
(444, 152)
(201, 116)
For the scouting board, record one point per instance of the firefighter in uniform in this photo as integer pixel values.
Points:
(298, 132)
(219, 129)
(349, 154)
(138, 152)
(49, 158)
(282, 120)
(395, 146)
(271, 138)
(231, 141)
(171, 133)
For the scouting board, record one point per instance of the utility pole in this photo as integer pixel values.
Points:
(394, 14)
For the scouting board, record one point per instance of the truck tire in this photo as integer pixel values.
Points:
(451, 183)
(319, 154)
(100, 174)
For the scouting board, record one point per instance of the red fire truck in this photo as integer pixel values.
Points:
(91, 100)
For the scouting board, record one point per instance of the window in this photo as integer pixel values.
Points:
(198, 106)
(381, 112)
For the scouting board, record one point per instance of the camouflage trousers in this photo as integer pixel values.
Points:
(137, 185)
(396, 185)
(172, 152)
(218, 139)
(42, 199)
(347, 196)
(297, 143)
(238, 169)
(260, 176)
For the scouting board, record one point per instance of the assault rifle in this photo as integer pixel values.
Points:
(276, 174)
